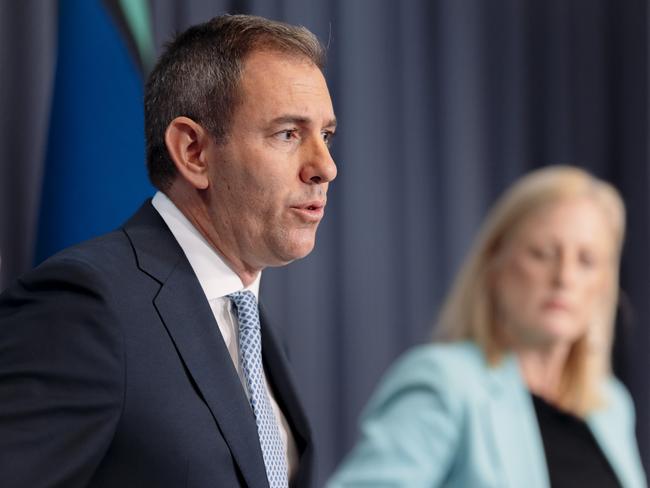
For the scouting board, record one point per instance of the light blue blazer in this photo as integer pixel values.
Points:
(441, 417)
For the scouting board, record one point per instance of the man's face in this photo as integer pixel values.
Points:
(269, 180)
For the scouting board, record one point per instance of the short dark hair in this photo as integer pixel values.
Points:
(198, 76)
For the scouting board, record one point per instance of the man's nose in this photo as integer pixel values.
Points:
(319, 167)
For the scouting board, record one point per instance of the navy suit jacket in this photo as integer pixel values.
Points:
(113, 373)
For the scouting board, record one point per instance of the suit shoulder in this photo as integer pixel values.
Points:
(105, 255)
(100, 252)
(450, 372)
(87, 271)
(416, 415)
(454, 361)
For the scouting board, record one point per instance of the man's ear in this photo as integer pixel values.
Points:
(187, 143)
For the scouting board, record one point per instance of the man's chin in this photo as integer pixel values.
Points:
(294, 252)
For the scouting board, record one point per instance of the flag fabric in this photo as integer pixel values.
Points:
(95, 173)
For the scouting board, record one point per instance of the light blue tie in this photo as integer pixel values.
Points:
(250, 354)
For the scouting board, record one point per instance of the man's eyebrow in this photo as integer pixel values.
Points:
(331, 123)
(299, 120)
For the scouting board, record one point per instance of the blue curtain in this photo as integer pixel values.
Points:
(94, 172)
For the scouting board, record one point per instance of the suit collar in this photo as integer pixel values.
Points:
(615, 441)
(190, 323)
(514, 427)
(215, 275)
(157, 252)
(516, 431)
(282, 382)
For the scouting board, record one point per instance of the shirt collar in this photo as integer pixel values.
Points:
(215, 276)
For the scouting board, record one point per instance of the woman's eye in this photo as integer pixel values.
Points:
(587, 260)
(539, 253)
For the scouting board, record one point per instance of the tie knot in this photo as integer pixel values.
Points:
(244, 297)
(246, 306)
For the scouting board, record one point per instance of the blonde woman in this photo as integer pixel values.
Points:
(517, 390)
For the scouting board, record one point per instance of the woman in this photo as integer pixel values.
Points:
(517, 391)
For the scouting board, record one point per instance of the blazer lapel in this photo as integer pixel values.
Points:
(188, 318)
(612, 440)
(283, 384)
(516, 432)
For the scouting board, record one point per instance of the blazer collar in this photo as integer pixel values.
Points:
(282, 382)
(517, 434)
(190, 323)
(515, 429)
(615, 442)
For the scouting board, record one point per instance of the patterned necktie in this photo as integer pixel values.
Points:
(250, 352)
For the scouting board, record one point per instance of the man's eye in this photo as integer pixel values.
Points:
(328, 136)
(287, 135)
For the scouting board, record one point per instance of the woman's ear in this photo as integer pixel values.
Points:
(187, 143)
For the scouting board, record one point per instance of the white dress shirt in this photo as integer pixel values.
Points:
(217, 281)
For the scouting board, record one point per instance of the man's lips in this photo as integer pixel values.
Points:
(311, 211)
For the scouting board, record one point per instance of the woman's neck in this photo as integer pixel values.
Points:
(542, 369)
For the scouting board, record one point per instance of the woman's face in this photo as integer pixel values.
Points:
(554, 273)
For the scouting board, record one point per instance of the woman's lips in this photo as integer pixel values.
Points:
(556, 304)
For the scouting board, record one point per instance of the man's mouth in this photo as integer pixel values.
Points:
(310, 211)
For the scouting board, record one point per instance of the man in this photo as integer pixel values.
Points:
(134, 359)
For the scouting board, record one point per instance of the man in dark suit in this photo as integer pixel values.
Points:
(133, 360)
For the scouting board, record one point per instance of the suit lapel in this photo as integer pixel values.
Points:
(515, 429)
(283, 384)
(189, 321)
(611, 439)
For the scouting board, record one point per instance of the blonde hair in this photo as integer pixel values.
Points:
(469, 312)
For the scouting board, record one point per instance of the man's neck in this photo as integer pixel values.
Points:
(196, 212)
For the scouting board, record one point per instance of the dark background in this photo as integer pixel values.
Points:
(441, 104)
